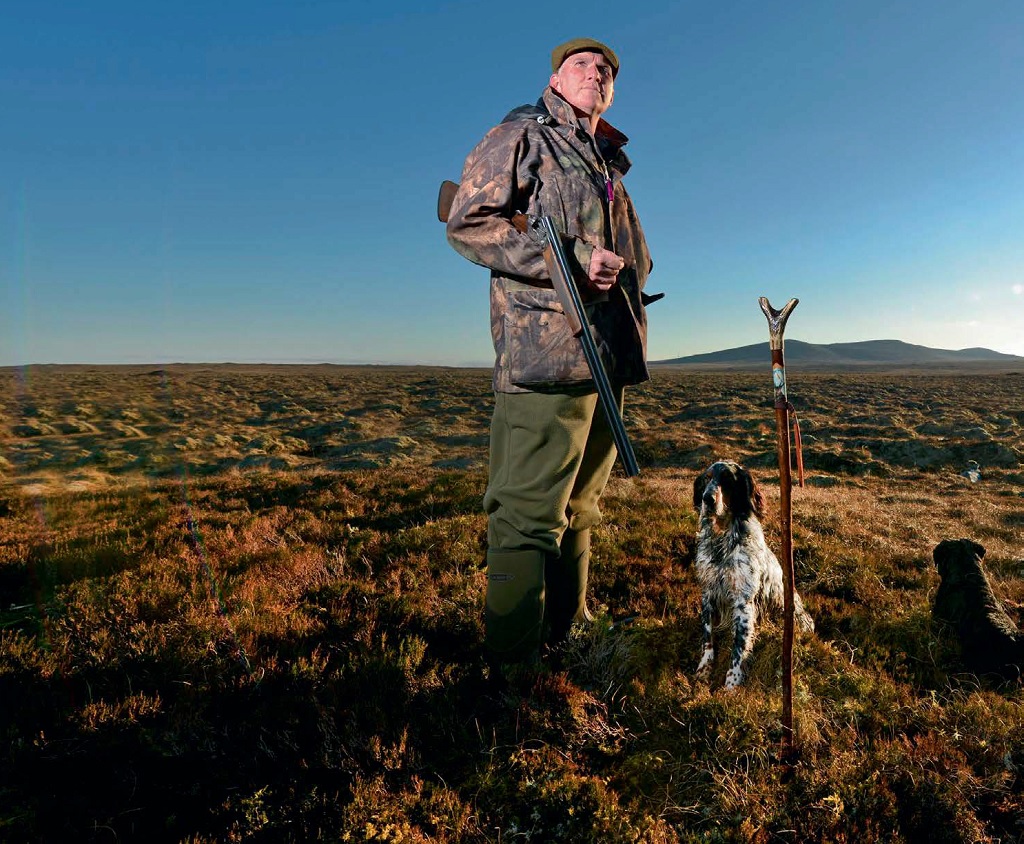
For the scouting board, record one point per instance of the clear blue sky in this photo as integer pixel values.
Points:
(256, 181)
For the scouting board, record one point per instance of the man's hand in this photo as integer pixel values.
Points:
(604, 268)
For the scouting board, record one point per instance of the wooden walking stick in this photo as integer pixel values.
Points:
(776, 328)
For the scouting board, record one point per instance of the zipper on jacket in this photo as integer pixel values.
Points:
(609, 186)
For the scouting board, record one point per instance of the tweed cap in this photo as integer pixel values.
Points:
(583, 45)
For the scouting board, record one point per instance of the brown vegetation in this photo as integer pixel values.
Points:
(244, 603)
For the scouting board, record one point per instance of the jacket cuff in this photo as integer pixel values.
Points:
(583, 252)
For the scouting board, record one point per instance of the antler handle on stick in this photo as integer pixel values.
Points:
(776, 328)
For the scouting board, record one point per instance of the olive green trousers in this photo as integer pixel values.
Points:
(550, 459)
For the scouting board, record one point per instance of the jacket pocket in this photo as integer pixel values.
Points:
(541, 351)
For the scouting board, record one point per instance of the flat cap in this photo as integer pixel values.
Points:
(583, 45)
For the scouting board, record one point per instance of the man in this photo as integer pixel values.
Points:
(551, 449)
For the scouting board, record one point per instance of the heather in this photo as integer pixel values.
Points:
(244, 603)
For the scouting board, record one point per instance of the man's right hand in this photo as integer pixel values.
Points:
(604, 269)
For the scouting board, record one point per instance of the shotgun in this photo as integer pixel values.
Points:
(572, 305)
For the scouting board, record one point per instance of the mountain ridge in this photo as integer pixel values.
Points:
(860, 353)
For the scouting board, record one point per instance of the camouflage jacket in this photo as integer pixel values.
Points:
(539, 160)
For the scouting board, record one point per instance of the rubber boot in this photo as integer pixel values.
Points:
(514, 611)
(566, 578)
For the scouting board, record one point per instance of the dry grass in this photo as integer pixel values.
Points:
(243, 603)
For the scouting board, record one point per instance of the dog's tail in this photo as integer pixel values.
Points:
(801, 616)
(774, 595)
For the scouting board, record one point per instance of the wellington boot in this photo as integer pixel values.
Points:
(566, 578)
(514, 612)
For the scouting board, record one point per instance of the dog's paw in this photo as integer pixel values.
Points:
(734, 678)
(704, 666)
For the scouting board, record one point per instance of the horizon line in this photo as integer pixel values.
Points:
(459, 365)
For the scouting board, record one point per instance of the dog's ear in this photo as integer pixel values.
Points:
(941, 554)
(757, 499)
(753, 492)
(699, 485)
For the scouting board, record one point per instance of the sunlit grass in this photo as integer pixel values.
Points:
(209, 652)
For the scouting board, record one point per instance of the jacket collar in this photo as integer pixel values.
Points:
(609, 139)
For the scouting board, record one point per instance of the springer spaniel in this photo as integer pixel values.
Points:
(738, 573)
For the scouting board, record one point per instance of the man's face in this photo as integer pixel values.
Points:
(585, 81)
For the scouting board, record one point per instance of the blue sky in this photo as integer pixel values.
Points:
(257, 181)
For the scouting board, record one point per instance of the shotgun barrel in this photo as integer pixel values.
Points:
(572, 305)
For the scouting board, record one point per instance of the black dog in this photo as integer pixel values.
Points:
(989, 639)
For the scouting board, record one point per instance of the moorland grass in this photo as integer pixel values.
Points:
(207, 649)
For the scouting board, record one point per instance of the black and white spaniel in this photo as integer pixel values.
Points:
(738, 573)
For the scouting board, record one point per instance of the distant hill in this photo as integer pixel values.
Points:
(867, 352)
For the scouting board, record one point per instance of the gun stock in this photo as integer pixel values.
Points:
(445, 198)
